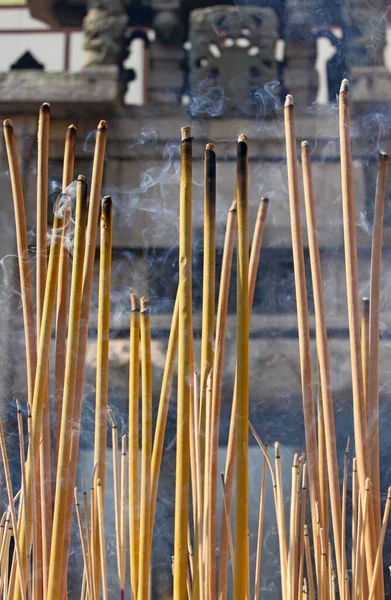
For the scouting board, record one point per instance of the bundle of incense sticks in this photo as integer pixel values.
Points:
(313, 532)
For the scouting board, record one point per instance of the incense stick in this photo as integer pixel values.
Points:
(146, 452)
(185, 368)
(64, 453)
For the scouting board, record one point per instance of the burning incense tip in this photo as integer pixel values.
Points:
(72, 127)
(112, 418)
(265, 201)
(134, 301)
(210, 146)
(103, 124)
(45, 107)
(289, 101)
(7, 123)
(344, 87)
(383, 156)
(144, 305)
(106, 202)
(365, 306)
(185, 133)
(82, 178)
(242, 138)
(277, 449)
(305, 144)
(389, 494)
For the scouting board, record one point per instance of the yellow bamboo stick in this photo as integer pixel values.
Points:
(372, 392)
(208, 292)
(116, 485)
(22, 457)
(208, 580)
(344, 509)
(354, 516)
(377, 573)
(185, 368)
(349, 226)
(102, 360)
(365, 347)
(231, 452)
(102, 542)
(83, 542)
(164, 400)
(302, 308)
(218, 363)
(292, 568)
(261, 518)
(88, 272)
(146, 451)
(134, 374)
(281, 523)
(62, 291)
(308, 561)
(64, 455)
(124, 466)
(323, 358)
(303, 507)
(23, 256)
(241, 558)
(45, 471)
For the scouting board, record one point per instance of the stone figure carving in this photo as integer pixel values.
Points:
(104, 32)
(232, 59)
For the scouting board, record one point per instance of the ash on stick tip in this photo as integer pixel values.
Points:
(277, 450)
(289, 101)
(82, 178)
(144, 305)
(383, 155)
(242, 138)
(365, 305)
(305, 144)
(344, 86)
(103, 124)
(185, 133)
(233, 206)
(265, 201)
(45, 107)
(389, 494)
(7, 123)
(72, 127)
(106, 202)
(134, 301)
(210, 146)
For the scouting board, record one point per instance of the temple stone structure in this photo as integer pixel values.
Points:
(194, 54)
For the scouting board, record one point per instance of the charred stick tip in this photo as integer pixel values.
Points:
(103, 124)
(384, 156)
(144, 305)
(106, 202)
(134, 301)
(45, 107)
(305, 144)
(82, 178)
(210, 146)
(7, 123)
(242, 138)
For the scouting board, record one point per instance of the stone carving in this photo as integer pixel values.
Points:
(232, 65)
(104, 32)
(365, 32)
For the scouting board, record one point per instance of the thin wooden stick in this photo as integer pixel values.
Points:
(231, 452)
(88, 272)
(64, 455)
(146, 451)
(116, 484)
(241, 559)
(377, 573)
(208, 312)
(365, 346)
(39, 390)
(349, 225)
(87, 565)
(134, 375)
(230, 538)
(344, 508)
(218, 363)
(281, 523)
(45, 471)
(302, 308)
(209, 563)
(62, 290)
(373, 354)
(88, 535)
(293, 549)
(185, 368)
(22, 458)
(302, 523)
(323, 479)
(23, 256)
(354, 515)
(198, 588)
(261, 518)
(102, 543)
(124, 467)
(323, 567)
(308, 561)
(14, 520)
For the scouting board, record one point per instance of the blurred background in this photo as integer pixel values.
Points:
(150, 67)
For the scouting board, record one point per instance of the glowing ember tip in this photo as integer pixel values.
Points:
(344, 86)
